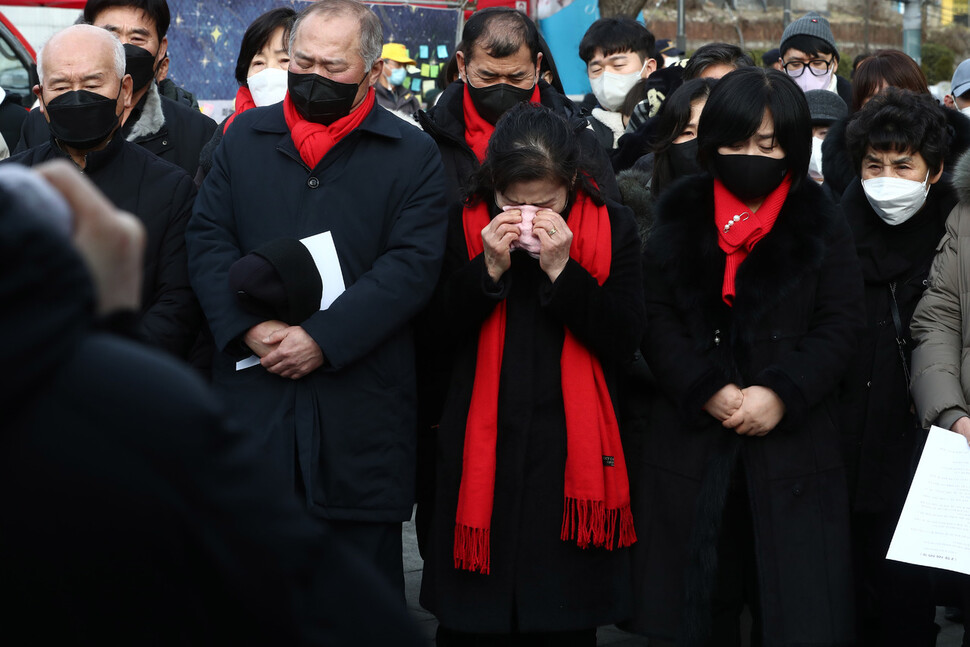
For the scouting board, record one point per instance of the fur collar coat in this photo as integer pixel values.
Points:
(795, 319)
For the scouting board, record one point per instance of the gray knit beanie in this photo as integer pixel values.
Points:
(825, 107)
(811, 24)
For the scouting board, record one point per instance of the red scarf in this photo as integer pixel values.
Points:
(315, 140)
(745, 229)
(596, 501)
(244, 101)
(477, 130)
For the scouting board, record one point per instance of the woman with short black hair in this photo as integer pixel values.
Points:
(539, 302)
(753, 299)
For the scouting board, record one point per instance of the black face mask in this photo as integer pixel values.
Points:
(140, 64)
(683, 158)
(492, 101)
(319, 99)
(82, 119)
(750, 176)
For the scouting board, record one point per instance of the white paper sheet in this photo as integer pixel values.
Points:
(324, 255)
(934, 527)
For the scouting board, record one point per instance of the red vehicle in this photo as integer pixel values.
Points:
(18, 69)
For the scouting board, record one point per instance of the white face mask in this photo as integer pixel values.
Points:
(815, 164)
(966, 111)
(610, 89)
(268, 86)
(894, 199)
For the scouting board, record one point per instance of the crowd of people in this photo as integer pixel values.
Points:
(663, 358)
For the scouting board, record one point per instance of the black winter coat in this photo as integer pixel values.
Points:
(160, 195)
(445, 122)
(167, 128)
(537, 581)
(344, 435)
(131, 515)
(794, 323)
(878, 424)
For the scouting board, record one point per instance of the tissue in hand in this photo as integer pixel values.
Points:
(527, 239)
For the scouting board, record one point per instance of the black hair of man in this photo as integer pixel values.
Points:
(500, 32)
(901, 121)
(157, 10)
(811, 45)
(258, 34)
(615, 35)
(736, 107)
(715, 54)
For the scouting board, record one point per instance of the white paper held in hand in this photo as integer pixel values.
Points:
(324, 255)
(934, 526)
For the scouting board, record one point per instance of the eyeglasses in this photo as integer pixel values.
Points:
(818, 67)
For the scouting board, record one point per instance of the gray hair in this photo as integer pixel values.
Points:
(117, 47)
(371, 31)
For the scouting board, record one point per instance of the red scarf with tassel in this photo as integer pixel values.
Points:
(477, 129)
(314, 140)
(739, 229)
(596, 501)
(244, 101)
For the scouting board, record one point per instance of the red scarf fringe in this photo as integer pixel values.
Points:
(596, 500)
(313, 140)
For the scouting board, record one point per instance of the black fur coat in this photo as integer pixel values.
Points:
(795, 319)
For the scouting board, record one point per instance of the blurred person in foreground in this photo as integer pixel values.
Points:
(83, 92)
(131, 514)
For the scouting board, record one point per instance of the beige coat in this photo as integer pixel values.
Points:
(941, 324)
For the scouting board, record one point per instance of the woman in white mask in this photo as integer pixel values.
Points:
(896, 209)
(260, 71)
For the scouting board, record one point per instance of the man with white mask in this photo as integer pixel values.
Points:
(618, 53)
(826, 108)
(897, 208)
(959, 97)
(810, 57)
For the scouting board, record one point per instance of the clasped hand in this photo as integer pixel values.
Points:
(287, 351)
(554, 236)
(753, 411)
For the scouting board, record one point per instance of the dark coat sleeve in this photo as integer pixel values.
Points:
(172, 320)
(804, 376)
(683, 371)
(608, 318)
(33, 132)
(400, 283)
(213, 246)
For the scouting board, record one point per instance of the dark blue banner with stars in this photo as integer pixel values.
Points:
(204, 40)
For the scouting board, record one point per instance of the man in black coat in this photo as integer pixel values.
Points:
(131, 514)
(498, 64)
(331, 397)
(167, 128)
(158, 193)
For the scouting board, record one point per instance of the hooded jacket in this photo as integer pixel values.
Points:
(941, 373)
(167, 128)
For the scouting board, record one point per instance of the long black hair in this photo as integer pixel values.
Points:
(672, 119)
(531, 142)
(736, 107)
